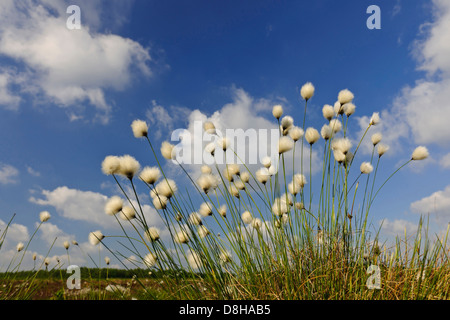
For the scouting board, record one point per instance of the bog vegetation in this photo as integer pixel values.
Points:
(267, 234)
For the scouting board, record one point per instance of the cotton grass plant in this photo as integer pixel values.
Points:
(238, 234)
(275, 232)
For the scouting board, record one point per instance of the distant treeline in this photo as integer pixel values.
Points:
(91, 273)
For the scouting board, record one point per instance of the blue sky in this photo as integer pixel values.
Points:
(68, 97)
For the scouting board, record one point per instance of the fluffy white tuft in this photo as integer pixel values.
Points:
(328, 112)
(366, 168)
(312, 135)
(345, 96)
(128, 166)
(375, 119)
(44, 216)
(376, 138)
(95, 237)
(140, 128)
(113, 205)
(150, 174)
(420, 153)
(307, 91)
(111, 165)
(277, 111)
(296, 133)
(285, 144)
(167, 150)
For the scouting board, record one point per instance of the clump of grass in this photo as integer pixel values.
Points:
(274, 233)
(264, 235)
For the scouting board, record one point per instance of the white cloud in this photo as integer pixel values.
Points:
(445, 161)
(398, 227)
(49, 232)
(8, 99)
(246, 117)
(15, 233)
(89, 206)
(163, 120)
(33, 172)
(8, 174)
(69, 67)
(76, 204)
(437, 204)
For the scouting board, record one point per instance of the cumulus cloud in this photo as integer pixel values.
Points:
(88, 206)
(445, 161)
(436, 204)
(163, 119)
(398, 227)
(8, 174)
(15, 233)
(67, 67)
(253, 135)
(76, 204)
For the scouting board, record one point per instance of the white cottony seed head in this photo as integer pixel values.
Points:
(167, 150)
(140, 128)
(326, 132)
(66, 245)
(262, 175)
(127, 213)
(95, 237)
(277, 111)
(296, 133)
(345, 96)
(202, 231)
(19, 246)
(381, 149)
(166, 188)
(247, 217)
(376, 138)
(114, 205)
(349, 109)
(266, 162)
(420, 153)
(150, 174)
(44, 216)
(206, 169)
(209, 127)
(150, 260)
(366, 168)
(335, 125)
(224, 143)
(312, 135)
(245, 177)
(195, 219)
(160, 202)
(152, 234)
(299, 179)
(338, 108)
(339, 156)
(205, 209)
(256, 223)
(207, 182)
(341, 144)
(223, 210)
(110, 165)
(328, 112)
(181, 237)
(307, 91)
(285, 144)
(375, 118)
(287, 122)
(129, 166)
